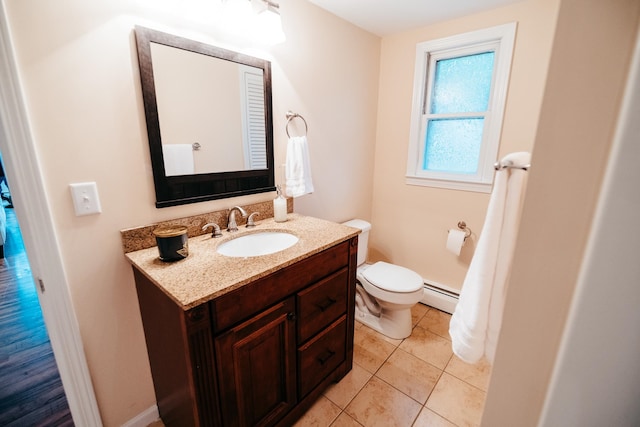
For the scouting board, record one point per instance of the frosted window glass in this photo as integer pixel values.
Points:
(453, 145)
(462, 84)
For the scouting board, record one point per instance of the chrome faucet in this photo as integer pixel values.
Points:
(231, 222)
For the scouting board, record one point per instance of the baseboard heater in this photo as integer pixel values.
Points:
(440, 296)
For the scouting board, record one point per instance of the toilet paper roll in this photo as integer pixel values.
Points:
(455, 241)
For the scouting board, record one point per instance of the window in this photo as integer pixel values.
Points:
(460, 90)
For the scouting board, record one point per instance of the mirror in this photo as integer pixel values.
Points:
(209, 119)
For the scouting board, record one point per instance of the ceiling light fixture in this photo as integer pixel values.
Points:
(255, 20)
(269, 23)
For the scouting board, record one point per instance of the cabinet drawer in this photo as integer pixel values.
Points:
(250, 299)
(321, 304)
(321, 355)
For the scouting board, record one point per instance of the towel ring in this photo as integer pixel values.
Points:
(290, 116)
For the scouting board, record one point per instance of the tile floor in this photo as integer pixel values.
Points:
(412, 382)
(415, 382)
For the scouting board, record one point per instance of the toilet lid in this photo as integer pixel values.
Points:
(393, 278)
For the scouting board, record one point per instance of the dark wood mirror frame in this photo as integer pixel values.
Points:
(183, 189)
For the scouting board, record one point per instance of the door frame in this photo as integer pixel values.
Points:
(36, 222)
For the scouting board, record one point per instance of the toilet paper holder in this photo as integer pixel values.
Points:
(467, 231)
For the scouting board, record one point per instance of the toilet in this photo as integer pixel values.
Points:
(385, 292)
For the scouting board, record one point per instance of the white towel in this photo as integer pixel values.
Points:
(298, 167)
(178, 159)
(476, 321)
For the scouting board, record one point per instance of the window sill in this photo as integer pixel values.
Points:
(478, 187)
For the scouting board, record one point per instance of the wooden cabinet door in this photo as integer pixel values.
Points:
(256, 363)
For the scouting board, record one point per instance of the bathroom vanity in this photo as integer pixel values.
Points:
(249, 341)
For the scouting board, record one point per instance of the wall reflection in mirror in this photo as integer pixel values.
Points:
(224, 114)
(208, 114)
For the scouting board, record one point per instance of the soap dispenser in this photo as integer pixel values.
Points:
(279, 207)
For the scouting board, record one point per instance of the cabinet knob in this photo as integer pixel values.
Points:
(291, 316)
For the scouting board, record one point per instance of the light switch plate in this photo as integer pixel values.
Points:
(85, 198)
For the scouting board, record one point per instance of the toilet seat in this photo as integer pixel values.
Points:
(392, 278)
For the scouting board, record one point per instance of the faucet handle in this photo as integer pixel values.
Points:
(216, 229)
(250, 221)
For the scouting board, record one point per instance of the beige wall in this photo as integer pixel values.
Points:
(410, 223)
(79, 72)
(589, 64)
(329, 71)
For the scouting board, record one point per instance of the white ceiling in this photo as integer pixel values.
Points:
(385, 17)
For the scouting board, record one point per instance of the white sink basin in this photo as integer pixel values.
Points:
(256, 244)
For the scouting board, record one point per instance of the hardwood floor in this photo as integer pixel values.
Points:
(31, 392)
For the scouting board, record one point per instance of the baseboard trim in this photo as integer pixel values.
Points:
(143, 419)
(440, 296)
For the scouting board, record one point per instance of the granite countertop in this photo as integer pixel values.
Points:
(205, 274)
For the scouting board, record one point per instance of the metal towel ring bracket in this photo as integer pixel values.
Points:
(509, 165)
(467, 231)
(290, 116)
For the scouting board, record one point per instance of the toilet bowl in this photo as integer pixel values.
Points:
(385, 292)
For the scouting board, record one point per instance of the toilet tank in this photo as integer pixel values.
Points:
(363, 238)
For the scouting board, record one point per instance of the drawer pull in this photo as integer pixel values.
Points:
(326, 356)
(326, 304)
(291, 316)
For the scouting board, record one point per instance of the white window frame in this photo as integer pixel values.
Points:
(501, 40)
